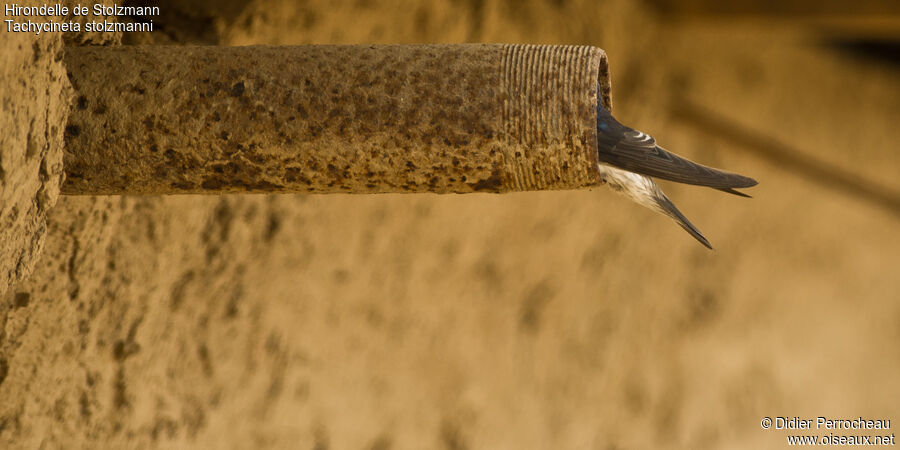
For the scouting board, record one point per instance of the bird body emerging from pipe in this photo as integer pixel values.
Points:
(628, 158)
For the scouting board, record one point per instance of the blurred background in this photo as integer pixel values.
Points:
(573, 320)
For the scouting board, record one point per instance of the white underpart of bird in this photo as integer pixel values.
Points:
(642, 190)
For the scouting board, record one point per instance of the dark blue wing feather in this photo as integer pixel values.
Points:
(632, 150)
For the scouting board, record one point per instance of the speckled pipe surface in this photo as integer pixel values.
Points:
(323, 119)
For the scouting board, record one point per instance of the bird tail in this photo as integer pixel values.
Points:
(668, 208)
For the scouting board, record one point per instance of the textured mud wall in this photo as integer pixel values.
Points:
(534, 320)
(35, 103)
(35, 98)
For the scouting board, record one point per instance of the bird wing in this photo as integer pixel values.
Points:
(638, 152)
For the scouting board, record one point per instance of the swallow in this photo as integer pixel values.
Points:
(629, 158)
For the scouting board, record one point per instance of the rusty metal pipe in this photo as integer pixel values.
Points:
(325, 119)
